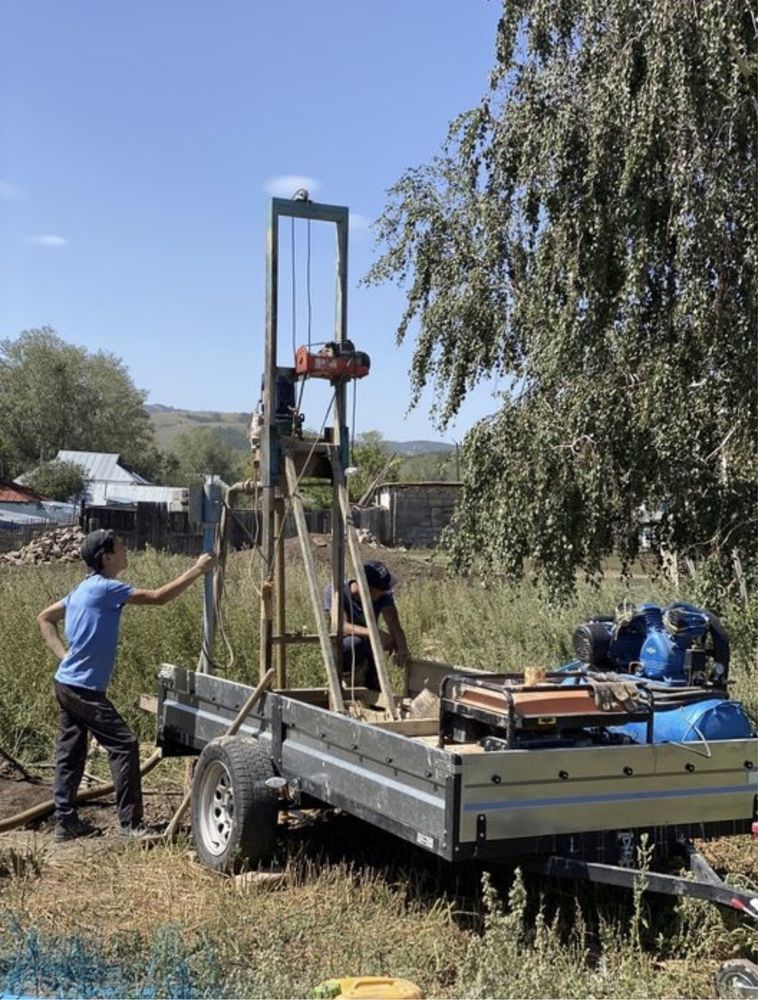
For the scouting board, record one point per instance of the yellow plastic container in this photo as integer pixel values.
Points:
(369, 988)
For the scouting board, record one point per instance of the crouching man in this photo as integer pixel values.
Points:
(358, 667)
(92, 612)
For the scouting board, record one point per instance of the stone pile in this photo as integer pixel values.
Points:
(56, 545)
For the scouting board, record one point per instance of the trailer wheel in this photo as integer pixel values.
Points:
(234, 813)
(737, 978)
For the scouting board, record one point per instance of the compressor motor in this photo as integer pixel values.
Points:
(678, 644)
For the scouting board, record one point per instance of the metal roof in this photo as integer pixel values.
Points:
(101, 466)
(103, 494)
(16, 493)
(10, 519)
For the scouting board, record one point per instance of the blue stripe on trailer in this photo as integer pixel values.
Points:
(585, 800)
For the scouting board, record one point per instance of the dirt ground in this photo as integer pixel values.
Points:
(408, 565)
(18, 794)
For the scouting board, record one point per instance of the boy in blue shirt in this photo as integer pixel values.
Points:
(357, 658)
(92, 612)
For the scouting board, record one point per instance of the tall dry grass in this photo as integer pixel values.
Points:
(157, 925)
(469, 621)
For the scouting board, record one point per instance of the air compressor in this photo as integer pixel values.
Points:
(679, 644)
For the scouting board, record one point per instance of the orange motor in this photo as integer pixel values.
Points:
(334, 361)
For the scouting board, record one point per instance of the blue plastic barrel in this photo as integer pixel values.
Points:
(710, 719)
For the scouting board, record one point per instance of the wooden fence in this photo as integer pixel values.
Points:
(171, 531)
(15, 538)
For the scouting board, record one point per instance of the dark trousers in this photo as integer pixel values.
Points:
(83, 711)
(357, 655)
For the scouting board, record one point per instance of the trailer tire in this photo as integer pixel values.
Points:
(234, 813)
(737, 978)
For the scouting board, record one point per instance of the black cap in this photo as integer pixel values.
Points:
(378, 576)
(95, 544)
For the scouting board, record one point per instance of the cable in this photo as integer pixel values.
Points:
(308, 283)
(294, 297)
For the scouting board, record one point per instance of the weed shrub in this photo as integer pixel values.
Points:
(527, 955)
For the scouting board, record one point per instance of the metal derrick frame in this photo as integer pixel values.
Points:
(279, 477)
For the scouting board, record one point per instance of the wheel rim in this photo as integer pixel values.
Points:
(738, 983)
(216, 807)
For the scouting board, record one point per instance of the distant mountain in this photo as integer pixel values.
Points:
(418, 447)
(169, 422)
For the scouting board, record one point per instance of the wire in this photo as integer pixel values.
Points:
(294, 296)
(308, 283)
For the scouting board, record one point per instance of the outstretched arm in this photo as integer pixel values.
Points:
(48, 626)
(174, 588)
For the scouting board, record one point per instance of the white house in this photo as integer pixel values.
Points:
(112, 482)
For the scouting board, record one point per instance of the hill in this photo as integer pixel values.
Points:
(169, 422)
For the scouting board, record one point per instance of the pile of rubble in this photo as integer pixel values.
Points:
(56, 545)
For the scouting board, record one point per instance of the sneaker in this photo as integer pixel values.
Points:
(72, 829)
(133, 831)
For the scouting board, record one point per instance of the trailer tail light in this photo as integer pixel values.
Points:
(754, 827)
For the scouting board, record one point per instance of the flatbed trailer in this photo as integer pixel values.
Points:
(571, 812)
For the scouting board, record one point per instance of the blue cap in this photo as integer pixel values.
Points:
(378, 576)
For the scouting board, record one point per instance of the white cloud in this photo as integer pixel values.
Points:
(8, 191)
(287, 184)
(47, 240)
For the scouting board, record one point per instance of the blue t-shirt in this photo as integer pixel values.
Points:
(93, 611)
(352, 604)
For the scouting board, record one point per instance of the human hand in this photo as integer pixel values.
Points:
(402, 656)
(388, 643)
(205, 562)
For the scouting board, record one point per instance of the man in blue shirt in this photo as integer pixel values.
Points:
(357, 658)
(92, 612)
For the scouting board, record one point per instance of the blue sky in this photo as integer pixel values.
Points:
(140, 142)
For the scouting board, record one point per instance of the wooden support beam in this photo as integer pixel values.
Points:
(293, 638)
(333, 677)
(363, 589)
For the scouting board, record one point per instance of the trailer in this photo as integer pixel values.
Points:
(464, 764)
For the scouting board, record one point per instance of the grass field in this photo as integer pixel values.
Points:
(95, 919)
